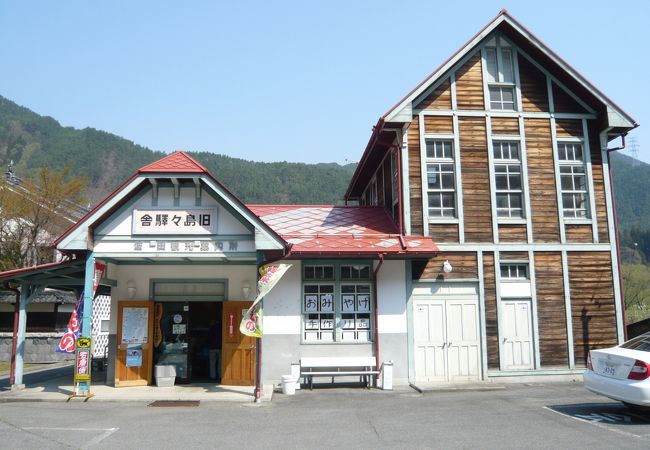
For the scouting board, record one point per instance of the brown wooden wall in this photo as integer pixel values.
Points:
(513, 256)
(551, 310)
(440, 98)
(469, 84)
(505, 125)
(438, 124)
(534, 92)
(491, 317)
(563, 102)
(541, 181)
(465, 266)
(443, 232)
(512, 233)
(415, 177)
(579, 233)
(476, 192)
(592, 302)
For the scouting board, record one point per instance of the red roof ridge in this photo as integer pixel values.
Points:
(177, 162)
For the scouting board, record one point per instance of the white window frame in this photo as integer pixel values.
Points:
(505, 161)
(500, 83)
(439, 161)
(572, 168)
(514, 272)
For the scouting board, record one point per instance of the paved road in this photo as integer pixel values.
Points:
(519, 416)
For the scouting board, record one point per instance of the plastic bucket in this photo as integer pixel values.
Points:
(288, 385)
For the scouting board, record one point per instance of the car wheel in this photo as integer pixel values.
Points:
(638, 408)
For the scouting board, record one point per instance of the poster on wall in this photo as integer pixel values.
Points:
(134, 356)
(134, 325)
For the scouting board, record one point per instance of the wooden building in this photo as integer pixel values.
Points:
(500, 156)
(478, 243)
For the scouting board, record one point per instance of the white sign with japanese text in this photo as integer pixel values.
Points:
(174, 221)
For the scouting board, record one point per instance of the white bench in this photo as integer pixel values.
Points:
(333, 366)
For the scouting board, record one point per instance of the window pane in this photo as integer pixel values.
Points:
(447, 151)
(515, 181)
(507, 94)
(515, 201)
(448, 181)
(507, 69)
(502, 200)
(448, 200)
(501, 182)
(491, 59)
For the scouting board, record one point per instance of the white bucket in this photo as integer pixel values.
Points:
(288, 385)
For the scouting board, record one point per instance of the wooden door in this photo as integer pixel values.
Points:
(134, 336)
(429, 332)
(463, 347)
(517, 341)
(238, 350)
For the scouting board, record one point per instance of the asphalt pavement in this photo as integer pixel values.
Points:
(559, 415)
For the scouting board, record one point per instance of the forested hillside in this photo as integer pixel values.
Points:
(33, 141)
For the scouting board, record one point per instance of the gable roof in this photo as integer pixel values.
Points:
(401, 112)
(341, 231)
(520, 35)
(177, 162)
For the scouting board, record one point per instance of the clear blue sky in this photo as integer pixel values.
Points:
(270, 81)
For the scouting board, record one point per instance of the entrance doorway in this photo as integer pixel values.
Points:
(188, 336)
(446, 342)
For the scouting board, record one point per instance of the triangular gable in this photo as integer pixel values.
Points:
(402, 111)
(177, 165)
(177, 162)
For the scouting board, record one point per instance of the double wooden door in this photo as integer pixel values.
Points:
(446, 340)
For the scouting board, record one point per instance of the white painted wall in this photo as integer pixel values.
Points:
(236, 275)
(515, 289)
(120, 224)
(282, 313)
(391, 298)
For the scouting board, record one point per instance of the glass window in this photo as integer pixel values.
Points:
(500, 74)
(573, 180)
(441, 178)
(508, 181)
(339, 310)
(502, 98)
(514, 271)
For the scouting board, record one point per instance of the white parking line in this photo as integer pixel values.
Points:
(94, 441)
(597, 421)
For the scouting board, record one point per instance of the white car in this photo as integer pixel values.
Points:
(622, 372)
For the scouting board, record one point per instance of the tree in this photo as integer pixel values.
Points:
(34, 213)
(636, 281)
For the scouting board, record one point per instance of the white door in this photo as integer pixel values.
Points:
(430, 342)
(462, 340)
(517, 339)
(446, 336)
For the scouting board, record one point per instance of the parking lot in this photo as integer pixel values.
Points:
(513, 416)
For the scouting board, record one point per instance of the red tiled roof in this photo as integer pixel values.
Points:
(340, 231)
(177, 162)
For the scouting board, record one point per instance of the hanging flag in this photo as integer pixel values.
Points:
(69, 339)
(73, 330)
(251, 323)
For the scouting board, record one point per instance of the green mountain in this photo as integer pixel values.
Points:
(33, 141)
